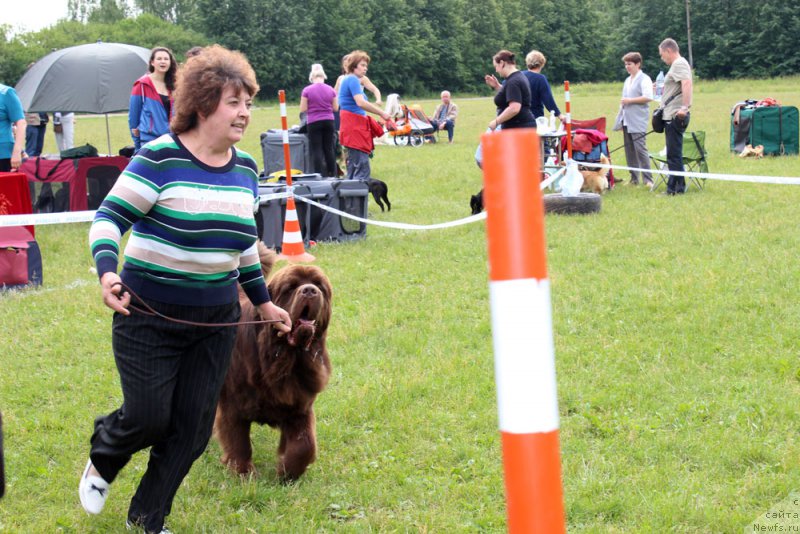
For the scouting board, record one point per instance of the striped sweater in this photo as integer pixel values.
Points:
(193, 232)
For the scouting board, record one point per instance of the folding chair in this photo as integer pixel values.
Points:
(694, 160)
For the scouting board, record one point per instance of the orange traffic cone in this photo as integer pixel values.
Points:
(292, 248)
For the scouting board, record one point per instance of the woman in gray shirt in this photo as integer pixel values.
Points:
(633, 117)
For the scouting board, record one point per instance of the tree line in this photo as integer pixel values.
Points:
(419, 47)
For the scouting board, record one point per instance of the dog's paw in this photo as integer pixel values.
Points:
(243, 468)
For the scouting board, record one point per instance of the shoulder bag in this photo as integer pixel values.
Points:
(658, 116)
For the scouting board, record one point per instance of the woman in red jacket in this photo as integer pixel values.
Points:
(151, 98)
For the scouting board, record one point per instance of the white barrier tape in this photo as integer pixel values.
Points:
(552, 178)
(784, 180)
(399, 226)
(274, 196)
(46, 218)
(86, 216)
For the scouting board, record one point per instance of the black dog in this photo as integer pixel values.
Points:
(379, 191)
(476, 202)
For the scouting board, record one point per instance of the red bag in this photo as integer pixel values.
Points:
(20, 259)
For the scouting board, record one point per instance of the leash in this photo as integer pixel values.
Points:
(640, 136)
(148, 310)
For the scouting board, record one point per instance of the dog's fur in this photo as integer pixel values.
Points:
(596, 181)
(274, 380)
(476, 203)
(751, 151)
(379, 191)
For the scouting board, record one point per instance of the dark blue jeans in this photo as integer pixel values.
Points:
(673, 131)
(448, 125)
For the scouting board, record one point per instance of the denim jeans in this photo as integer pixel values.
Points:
(448, 125)
(673, 131)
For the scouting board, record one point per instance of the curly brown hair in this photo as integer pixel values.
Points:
(201, 81)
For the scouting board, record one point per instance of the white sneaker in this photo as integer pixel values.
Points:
(93, 491)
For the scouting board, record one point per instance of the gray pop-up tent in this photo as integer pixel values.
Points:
(88, 78)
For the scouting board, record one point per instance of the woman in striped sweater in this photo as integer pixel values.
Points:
(188, 198)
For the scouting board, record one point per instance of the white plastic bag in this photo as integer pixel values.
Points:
(572, 181)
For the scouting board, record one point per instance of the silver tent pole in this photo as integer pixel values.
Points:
(108, 136)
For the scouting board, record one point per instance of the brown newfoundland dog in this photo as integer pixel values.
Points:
(274, 380)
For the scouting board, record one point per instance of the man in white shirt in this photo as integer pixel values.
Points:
(444, 118)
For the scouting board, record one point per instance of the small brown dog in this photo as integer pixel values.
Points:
(596, 181)
(274, 380)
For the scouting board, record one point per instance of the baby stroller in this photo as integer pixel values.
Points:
(411, 123)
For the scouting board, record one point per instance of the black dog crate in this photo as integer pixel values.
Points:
(271, 215)
(272, 150)
(349, 196)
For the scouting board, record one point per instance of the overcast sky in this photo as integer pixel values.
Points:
(32, 15)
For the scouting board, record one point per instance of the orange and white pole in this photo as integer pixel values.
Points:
(292, 248)
(569, 119)
(285, 128)
(522, 332)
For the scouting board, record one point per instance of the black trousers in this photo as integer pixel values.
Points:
(171, 376)
(673, 132)
(321, 146)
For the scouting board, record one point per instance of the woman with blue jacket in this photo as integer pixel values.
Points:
(151, 98)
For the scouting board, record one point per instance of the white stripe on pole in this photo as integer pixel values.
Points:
(283, 109)
(285, 137)
(522, 322)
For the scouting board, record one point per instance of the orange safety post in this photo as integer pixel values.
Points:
(569, 119)
(292, 248)
(522, 332)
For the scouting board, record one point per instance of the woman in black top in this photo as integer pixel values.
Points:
(513, 98)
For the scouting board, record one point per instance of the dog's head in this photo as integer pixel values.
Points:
(305, 292)
(476, 203)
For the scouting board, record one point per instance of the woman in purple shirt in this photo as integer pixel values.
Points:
(319, 102)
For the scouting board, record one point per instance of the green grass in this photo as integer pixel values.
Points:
(676, 348)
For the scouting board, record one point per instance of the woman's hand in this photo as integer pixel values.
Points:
(113, 296)
(270, 312)
(491, 81)
(16, 158)
(493, 124)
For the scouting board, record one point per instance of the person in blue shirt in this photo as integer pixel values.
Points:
(541, 94)
(12, 129)
(356, 131)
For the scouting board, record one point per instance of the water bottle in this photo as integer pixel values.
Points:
(659, 86)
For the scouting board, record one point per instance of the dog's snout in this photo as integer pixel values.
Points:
(309, 291)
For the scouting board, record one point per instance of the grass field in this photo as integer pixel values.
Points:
(675, 325)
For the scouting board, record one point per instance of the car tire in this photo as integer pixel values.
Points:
(582, 204)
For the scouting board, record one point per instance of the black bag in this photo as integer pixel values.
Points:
(85, 151)
(658, 116)
(658, 120)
